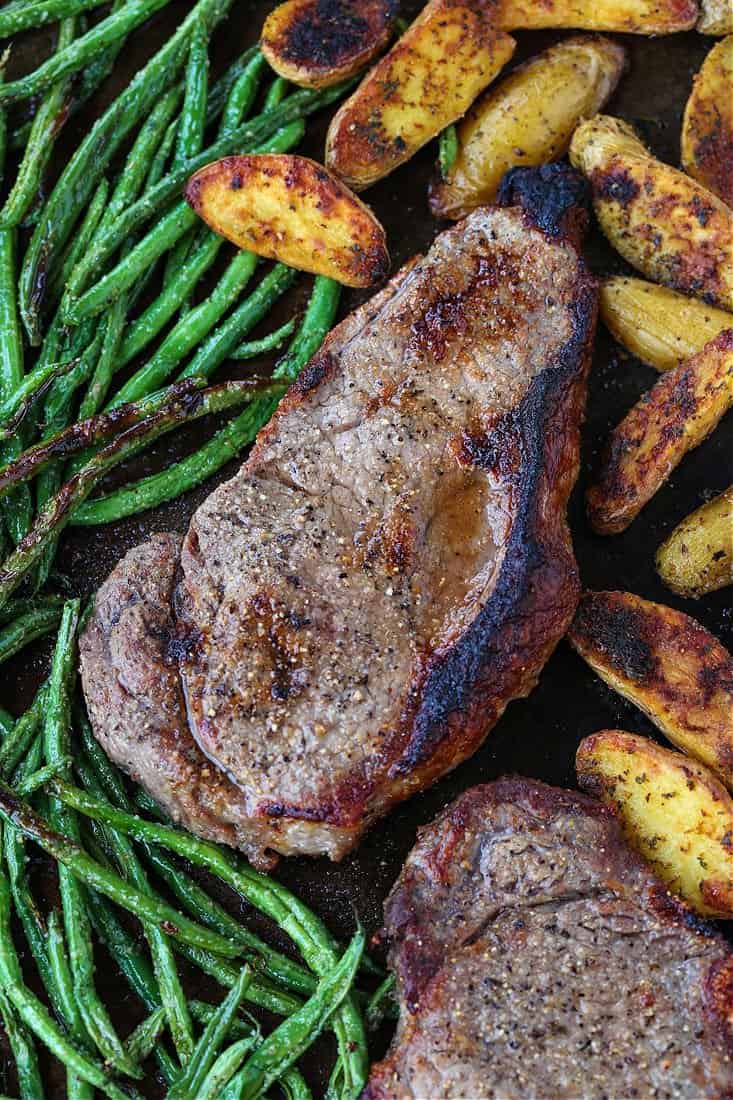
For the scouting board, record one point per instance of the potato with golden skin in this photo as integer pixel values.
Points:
(716, 17)
(673, 810)
(527, 119)
(672, 418)
(666, 224)
(622, 16)
(316, 43)
(428, 80)
(707, 125)
(697, 558)
(668, 665)
(659, 326)
(291, 209)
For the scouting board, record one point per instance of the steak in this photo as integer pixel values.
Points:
(348, 616)
(537, 957)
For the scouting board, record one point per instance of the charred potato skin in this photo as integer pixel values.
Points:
(313, 223)
(661, 327)
(674, 417)
(716, 17)
(697, 558)
(663, 222)
(428, 80)
(528, 119)
(622, 16)
(316, 43)
(707, 126)
(673, 810)
(668, 665)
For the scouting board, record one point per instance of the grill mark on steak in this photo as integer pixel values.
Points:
(392, 564)
(537, 956)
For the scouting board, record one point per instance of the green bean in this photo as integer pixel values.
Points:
(379, 1003)
(68, 1009)
(248, 137)
(78, 53)
(222, 89)
(24, 1053)
(193, 116)
(6, 723)
(250, 349)
(40, 777)
(203, 1013)
(80, 243)
(189, 405)
(224, 1068)
(33, 386)
(294, 1086)
(318, 318)
(260, 992)
(26, 629)
(35, 1015)
(17, 743)
(47, 124)
(141, 1043)
(188, 1083)
(447, 150)
(242, 95)
(18, 507)
(275, 93)
(164, 964)
(88, 163)
(293, 1036)
(316, 944)
(16, 17)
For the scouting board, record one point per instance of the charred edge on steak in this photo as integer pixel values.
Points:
(448, 682)
(554, 197)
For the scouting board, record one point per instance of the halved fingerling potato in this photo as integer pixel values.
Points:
(291, 209)
(659, 326)
(672, 810)
(428, 79)
(666, 224)
(698, 556)
(316, 43)
(527, 119)
(716, 17)
(666, 663)
(707, 126)
(622, 16)
(672, 418)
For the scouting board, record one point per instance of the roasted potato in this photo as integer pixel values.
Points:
(623, 16)
(291, 209)
(666, 663)
(657, 325)
(429, 78)
(316, 43)
(716, 17)
(707, 126)
(672, 810)
(661, 220)
(528, 119)
(675, 416)
(698, 555)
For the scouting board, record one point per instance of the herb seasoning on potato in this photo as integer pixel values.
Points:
(623, 16)
(698, 556)
(707, 127)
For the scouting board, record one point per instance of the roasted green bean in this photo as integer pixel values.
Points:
(18, 508)
(24, 1052)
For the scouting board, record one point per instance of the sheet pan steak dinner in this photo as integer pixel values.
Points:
(537, 956)
(348, 616)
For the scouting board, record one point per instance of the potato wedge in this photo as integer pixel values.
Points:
(657, 325)
(698, 555)
(429, 78)
(716, 17)
(291, 209)
(316, 43)
(528, 119)
(664, 223)
(707, 126)
(674, 417)
(666, 663)
(673, 811)
(622, 16)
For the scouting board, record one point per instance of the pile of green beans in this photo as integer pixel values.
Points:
(78, 308)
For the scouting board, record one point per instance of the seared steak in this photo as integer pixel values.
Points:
(538, 957)
(352, 612)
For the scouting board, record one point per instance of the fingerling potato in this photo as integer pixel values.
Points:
(527, 119)
(673, 811)
(716, 17)
(429, 78)
(622, 16)
(657, 325)
(316, 43)
(698, 556)
(707, 126)
(666, 663)
(291, 209)
(674, 417)
(666, 224)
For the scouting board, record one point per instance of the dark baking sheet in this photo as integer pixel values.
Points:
(536, 736)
